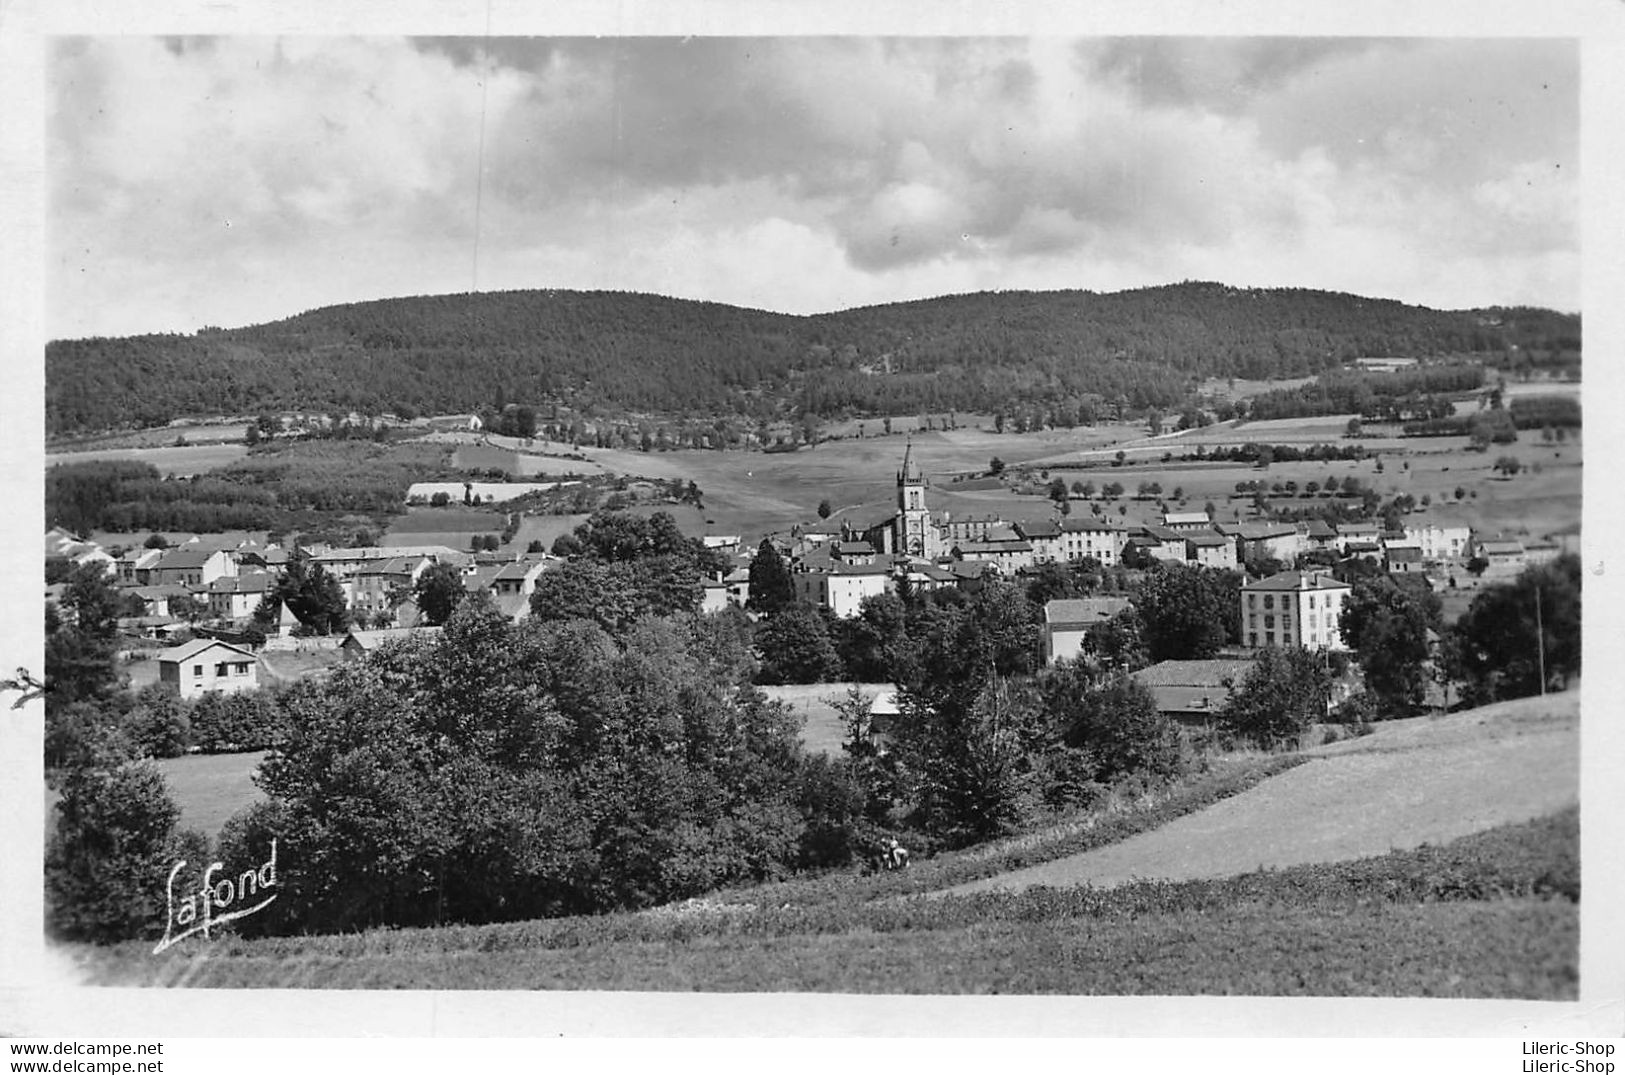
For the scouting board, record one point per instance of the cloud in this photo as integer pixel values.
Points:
(223, 180)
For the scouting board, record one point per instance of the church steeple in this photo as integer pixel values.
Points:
(910, 474)
(913, 522)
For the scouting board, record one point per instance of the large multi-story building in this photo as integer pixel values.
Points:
(1085, 538)
(1293, 608)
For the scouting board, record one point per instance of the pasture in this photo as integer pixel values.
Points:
(171, 461)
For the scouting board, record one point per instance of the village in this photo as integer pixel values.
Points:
(191, 600)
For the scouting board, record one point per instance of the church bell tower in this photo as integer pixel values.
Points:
(913, 525)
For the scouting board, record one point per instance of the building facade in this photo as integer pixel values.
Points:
(1293, 608)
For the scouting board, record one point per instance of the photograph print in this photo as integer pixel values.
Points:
(1090, 516)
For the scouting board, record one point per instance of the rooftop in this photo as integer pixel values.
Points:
(1083, 610)
(1296, 580)
(1206, 673)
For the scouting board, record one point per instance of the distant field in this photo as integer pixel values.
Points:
(446, 520)
(181, 462)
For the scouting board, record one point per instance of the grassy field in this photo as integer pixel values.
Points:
(823, 731)
(209, 788)
(170, 460)
(1492, 915)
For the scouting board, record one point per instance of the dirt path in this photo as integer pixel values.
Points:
(1412, 782)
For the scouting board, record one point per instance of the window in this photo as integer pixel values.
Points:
(1252, 638)
(1269, 600)
(197, 670)
(1269, 622)
(220, 669)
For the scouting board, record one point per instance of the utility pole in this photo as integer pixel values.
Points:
(1540, 641)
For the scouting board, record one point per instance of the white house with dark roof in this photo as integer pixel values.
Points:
(1293, 608)
(207, 664)
(1068, 620)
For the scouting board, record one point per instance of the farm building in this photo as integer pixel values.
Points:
(207, 664)
(1193, 692)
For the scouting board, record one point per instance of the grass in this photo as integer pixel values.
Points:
(1491, 915)
(209, 788)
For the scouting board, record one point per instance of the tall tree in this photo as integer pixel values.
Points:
(771, 587)
(1386, 623)
(1512, 628)
(314, 597)
(437, 592)
(1189, 613)
(796, 647)
(1284, 692)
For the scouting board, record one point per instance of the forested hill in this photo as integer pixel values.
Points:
(618, 352)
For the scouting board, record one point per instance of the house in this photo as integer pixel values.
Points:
(970, 575)
(1293, 608)
(195, 568)
(1092, 539)
(725, 543)
(1402, 560)
(841, 588)
(357, 644)
(1318, 535)
(343, 564)
(732, 589)
(1505, 556)
(1541, 552)
(155, 599)
(377, 582)
(1364, 535)
(208, 664)
(1440, 542)
(1193, 692)
(1068, 621)
(1044, 535)
(854, 552)
(135, 565)
(1186, 520)
(235, 597)
(922, 577)
(1272, 541)
(1006, 555)
(60, 543)
(1209, 549)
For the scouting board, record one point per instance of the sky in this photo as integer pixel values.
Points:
(233, 180)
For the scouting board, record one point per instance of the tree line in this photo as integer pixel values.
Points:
(620, 353)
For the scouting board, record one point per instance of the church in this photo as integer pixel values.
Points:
(912, 531)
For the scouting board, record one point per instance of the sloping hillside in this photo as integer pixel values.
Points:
(1412, 782)
(622, 352)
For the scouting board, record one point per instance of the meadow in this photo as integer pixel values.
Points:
(1490, 915)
